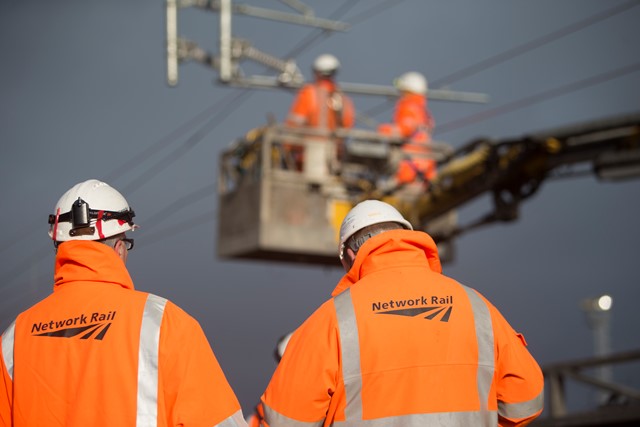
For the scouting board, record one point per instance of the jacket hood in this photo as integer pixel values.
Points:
(89, 261)
(391, 248)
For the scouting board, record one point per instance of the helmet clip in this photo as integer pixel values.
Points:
(80, 219)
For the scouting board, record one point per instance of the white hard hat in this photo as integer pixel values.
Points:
(413, 82)
(90, 210)
(326, 64)
(365, 214)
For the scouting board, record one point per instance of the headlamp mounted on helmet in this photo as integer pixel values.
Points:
(80, 216)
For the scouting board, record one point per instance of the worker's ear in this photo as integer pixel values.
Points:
(348, 259)
(121, 250)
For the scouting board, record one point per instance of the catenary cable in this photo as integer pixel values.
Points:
(516, 51)
(540, 97)
(165, 141)
(232, 102)
(533, 44)
(229, 105)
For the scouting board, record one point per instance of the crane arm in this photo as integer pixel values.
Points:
(512, 170)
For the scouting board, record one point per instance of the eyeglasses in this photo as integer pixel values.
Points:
(128, 243)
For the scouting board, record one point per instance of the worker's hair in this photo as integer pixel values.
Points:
(359, 237)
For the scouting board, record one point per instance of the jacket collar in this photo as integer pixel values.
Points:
(88, 261)
(414, 98)
(391, 249)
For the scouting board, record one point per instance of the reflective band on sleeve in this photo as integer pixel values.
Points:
(439, 419)
(274, 418)
(515, 411)
(148, 361)
(486, 364)
(8, 338)
(296, 118)
(322, 104)
(234, 420)
(350, 349)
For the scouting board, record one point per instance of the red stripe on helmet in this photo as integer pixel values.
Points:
(99, 224)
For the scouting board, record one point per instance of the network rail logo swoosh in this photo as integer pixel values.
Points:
(434, 308)
(85, 332)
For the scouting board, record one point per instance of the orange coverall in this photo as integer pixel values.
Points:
(412, 120)
(401, 344)
(321, 105)
(96, 352)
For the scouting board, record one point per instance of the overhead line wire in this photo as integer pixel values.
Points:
(164, 142)
(179, 204)
(195, 195)
(533, 44)
(231, 103)
(181, 227)
(230, 107)
(540, 97)
(199, 135)
(517, 51)
(315, 35)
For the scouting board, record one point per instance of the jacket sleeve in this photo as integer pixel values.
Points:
(6, 393)
(196, 391)
(301, 107)
(6, 384)
(348, 113)
(300, 391)
(407, 118)
(519, 379)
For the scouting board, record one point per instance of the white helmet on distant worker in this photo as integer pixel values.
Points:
(326, 64)
(413, 82)
(368, 213)
(90, 210)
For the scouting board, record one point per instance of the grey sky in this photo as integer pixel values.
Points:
(82, 91)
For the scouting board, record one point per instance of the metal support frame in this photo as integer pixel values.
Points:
(556, 378)
(234, 50)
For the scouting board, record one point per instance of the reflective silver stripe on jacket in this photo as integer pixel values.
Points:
(438, 419)
(351, 372)
(486, 357)
(350, 347)
(8, 338)
(516, 411)
(322, 103)
(274, 418)
(148, 361)
(235, 420)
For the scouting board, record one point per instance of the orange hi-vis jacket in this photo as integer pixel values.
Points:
(400, 344)
(96, 353)
(412, 120)
(321, 105)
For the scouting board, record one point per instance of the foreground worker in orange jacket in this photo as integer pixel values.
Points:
(413, 122)
(321, 105)
(96, 352)
(400, 344)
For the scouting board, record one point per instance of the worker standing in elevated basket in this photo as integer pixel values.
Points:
(321, 105)
(97, 352)
(413, 122)
(401, 344)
